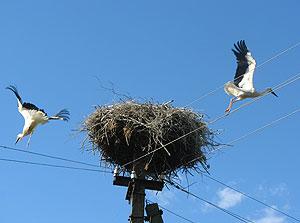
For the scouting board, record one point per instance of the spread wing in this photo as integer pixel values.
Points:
(245, 66)
(15, 91)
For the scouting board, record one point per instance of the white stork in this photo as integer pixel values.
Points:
(34, 116)
(242, 85)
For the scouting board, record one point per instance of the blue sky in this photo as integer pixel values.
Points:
(54, 50)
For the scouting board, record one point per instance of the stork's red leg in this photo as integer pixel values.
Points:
(230, 105)
(29, 139)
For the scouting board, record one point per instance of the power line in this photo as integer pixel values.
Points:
(260, 65)
(173, 213)
(218, 181)
(53, 165)
(237, 216)
(242, 219)
(259, 129)
(242, 137)
(49, 156)
(250, 197)
(252, 132)
(277, 87)
(281, 85)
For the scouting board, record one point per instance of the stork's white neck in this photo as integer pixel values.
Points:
(262, 93)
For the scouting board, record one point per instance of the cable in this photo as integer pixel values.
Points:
(208, 176)
(53, 165)
(239, 217)
(257, 67)
(50, 156)
(235, 140)
(277, 87)
(259, 129)
(173, 213)
(240, 138)
(252, 132)
(179, 216)
(250, 197)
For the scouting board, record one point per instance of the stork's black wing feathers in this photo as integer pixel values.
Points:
(64, 114)
(30, 106)
(240, 52)
(15, 91)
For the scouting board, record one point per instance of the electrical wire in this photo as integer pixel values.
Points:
(277, 87)
(210, 177)
(53, 165)
(281, 85)
(95, 170)
(49, 156)
(251, 132)
(240, 138)
(259, 129)
(93, 165)
(250, 197)
(173, 213)
(237, 216)
(257, 67)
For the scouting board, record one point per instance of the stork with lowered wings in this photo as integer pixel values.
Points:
(34, 116)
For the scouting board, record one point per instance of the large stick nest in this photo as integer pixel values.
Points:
(126, 131)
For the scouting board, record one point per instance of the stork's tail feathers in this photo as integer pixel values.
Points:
(61, 115)
(15, 91)
(228, 86)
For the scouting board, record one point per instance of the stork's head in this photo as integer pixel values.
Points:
(19, 137)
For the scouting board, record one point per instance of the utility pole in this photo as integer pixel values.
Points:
(136, 187)
(137, 200)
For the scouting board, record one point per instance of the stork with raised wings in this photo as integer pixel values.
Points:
(242, 85)
(34, 116)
